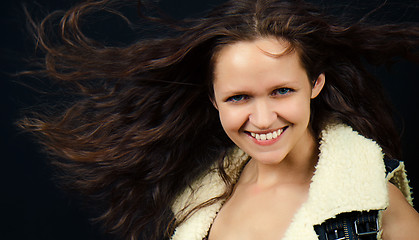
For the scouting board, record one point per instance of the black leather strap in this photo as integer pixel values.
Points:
(350, 226)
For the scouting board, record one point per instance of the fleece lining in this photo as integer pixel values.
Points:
(350, 176)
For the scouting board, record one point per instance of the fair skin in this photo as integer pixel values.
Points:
(400, 220)
(263, 97)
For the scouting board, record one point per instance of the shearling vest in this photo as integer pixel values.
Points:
(350, 176)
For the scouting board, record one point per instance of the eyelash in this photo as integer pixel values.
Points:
(288, 90)
(243, 97)
(232, 98)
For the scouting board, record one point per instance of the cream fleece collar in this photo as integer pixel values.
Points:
(349, 176)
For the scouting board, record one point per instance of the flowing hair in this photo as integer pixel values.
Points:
(142, 128)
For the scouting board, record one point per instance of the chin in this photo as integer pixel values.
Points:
(268, 158)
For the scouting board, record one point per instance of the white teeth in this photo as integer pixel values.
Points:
(263, 137)
(268, 136)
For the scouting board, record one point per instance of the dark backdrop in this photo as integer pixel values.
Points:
(31, 205)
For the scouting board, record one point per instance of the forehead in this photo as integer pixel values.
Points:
(263, 59)
(270, 46)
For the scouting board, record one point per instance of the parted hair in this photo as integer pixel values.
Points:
(141, 126)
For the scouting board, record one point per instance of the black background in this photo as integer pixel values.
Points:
(31, 205)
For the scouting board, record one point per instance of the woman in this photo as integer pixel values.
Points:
(259, 120)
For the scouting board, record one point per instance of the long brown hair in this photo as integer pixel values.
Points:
(142, 126)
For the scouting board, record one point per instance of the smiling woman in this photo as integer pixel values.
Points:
(258, 120)
(263, 96)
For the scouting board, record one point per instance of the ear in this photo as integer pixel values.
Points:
(213, 102)
(318, 86)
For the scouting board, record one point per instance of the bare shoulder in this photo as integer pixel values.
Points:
(400, 219)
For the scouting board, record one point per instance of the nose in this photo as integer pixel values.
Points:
(262, 115)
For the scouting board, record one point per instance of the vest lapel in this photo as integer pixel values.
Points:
(207, 187)
(350, 176)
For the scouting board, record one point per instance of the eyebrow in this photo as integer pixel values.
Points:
(228, 93)
(285, 84)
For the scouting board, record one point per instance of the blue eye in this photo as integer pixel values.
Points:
(237, 98)
(281, 91)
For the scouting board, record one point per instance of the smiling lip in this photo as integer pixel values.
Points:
(266, 138)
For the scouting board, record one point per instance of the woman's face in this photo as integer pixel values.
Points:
(263, 98)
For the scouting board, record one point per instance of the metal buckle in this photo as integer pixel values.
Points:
(367, 232)
(336, 236)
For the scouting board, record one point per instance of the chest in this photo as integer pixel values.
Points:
(252, 214)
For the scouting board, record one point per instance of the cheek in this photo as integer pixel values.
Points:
(296, 111)
(232, 119)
